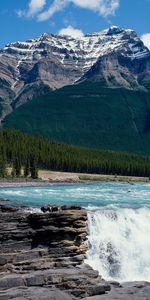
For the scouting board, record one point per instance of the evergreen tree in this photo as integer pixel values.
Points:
(27, 168)
(33, 168)
(17, 166)
(13, 171)
(18, 149)
(2, 167)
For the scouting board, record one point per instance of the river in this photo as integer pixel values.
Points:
(118, 223)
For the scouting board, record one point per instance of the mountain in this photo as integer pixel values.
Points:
(113, 57)
(93, 91)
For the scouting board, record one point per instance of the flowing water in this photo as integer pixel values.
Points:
(118, 223)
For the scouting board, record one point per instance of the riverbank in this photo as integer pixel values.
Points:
(50, 178)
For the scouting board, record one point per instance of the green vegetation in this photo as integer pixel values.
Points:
(111, 177)
(90, 178)
(20, 150)
(89, 115)
(33, 166)
(2, 167)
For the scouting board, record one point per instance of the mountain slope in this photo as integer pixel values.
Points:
(113, 57)
(90, 115)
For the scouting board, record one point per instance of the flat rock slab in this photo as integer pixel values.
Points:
(128, 291)
(35, 293)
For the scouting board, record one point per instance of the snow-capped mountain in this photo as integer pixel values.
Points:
(114, 56)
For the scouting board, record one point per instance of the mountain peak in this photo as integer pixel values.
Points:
(114, 30)
(116, 54)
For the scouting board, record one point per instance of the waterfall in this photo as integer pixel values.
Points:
(119, 243)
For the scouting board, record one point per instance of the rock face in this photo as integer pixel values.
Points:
(42, 258)
(114, 57)
(42, 254)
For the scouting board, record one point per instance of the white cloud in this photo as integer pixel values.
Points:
(56, 6)
(71, 31)
(146, 39)
(34, 7)
(103, 7)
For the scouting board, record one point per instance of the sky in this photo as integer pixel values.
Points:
(24, 19)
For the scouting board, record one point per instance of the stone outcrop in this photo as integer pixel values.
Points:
(46, 251)
(42, 257)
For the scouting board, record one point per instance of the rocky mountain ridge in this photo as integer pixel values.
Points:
(115, 57)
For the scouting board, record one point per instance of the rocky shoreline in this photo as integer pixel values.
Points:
(42, 257)
(49, 178)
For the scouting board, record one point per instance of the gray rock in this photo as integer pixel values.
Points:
(42, 250)
(35, 294)
(42, 258)
(128, 291)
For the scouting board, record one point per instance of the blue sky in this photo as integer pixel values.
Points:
(24, 19)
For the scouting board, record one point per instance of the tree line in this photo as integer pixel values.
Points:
(30, 153)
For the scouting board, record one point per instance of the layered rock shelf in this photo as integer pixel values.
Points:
(42, 254)
(42, 257)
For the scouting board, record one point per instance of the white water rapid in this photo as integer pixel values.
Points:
(119, 243)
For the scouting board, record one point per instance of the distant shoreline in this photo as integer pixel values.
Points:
(49, 178)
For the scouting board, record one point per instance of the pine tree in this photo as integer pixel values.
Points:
(2, 167)
(13, 171)
(17, 149)
(33, 168)
(16, 170)
(27, 168)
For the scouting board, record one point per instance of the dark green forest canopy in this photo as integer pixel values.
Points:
(89, 115)
(60, 157)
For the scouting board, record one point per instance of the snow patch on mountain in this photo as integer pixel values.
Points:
(60, 60)
(85, 50)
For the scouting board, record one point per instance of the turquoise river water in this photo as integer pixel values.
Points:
(118, 222)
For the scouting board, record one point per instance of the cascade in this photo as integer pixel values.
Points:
(119, 243)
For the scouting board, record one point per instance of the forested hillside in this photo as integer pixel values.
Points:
(89, 115)
(20, 150)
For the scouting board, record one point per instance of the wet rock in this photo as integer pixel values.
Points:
(71, 207)
(54, 208)
(50, 208)
(45, 209)
(8, 208)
